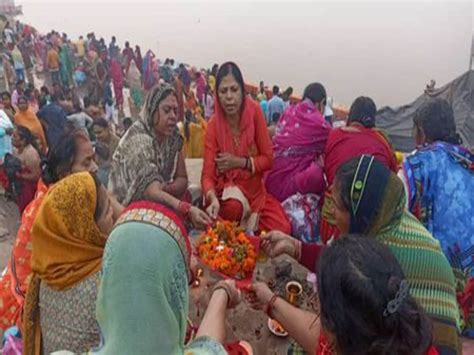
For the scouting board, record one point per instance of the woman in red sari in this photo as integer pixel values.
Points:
(359, 137)
(237, 153)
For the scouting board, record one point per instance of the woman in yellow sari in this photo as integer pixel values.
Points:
(68, 240)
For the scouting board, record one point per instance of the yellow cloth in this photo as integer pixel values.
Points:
(211, 81)
(53, 59)
(194, 147)
(81, 47)
(67, 244)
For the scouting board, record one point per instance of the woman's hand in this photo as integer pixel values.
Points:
(226, 161)
(233, 293)
(199, 218)
(214, 208)
(277, 243)
(259, 295)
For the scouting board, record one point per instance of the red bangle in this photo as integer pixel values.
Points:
(270, 305)
(184, 208)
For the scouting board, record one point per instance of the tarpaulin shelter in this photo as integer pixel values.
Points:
(398, 122)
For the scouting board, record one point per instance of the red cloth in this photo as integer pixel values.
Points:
(310, 253)
(253, 141)
(349, 142)
(116, 74)
(28, 191)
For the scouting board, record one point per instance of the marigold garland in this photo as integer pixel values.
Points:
(227, 249)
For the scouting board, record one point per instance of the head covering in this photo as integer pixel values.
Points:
(377, 197)
(139, 158)
(67, 246)
(145, 283)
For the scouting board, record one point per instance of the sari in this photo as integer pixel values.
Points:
(439, 180)
(300, 139)
(377, 210)
(15, 280)
(66, 260)
(134, 297)
(135, 85)
(116, 73)
(344, 144)
(241, 192)
(139, 158)
(29, 120)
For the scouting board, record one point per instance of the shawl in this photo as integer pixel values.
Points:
(134, 295)
(29, 120)
(67, 246)
(377, 209)
(139, 158)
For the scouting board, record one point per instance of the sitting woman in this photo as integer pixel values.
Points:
(365, 304)
(68, 241)
(27, 118)
(74, 153)
(237, 153)
(146, 294)
(359, 137)
(149, 162)
(369, 199)
(439, 179)
(26, 150)
(298, 144)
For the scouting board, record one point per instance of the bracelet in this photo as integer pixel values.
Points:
(270, 305)
(184, 208)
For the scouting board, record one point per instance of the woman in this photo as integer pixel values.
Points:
(138, 58)
(27, 118)
(193, 131)
(135, 85)
(68, 241)
(208, 103)
(6, 131)
(138, 288)
(299, 144)
(116, 73)
(28, 153)
(370, 199)
(237, 153)
(365, 305)
(73, 154)
(7, 106)
(200, 87)
(104, 135)
(149, 163)
(359, 137)
(439, 180)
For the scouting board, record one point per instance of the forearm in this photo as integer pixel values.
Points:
(178, 187)
(300, 324)
(155, 192)
(213, 323)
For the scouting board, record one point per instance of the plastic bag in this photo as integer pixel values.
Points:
(304, 214)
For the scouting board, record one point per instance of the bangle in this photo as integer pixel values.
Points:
(184, 208)
(270, 305)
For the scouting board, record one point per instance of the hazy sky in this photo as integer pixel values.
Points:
(387, 50)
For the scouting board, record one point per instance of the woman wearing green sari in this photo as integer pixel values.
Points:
(142, 305)
(66, 65)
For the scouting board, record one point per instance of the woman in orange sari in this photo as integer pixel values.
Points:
(27, 118)
(237, 153)
(358, 138)
(74, 153)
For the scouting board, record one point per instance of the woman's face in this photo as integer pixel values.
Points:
(22, 105)
(16, 140)
(84, 159)
(6, 101)
(101, 133)
(105, 220)
(166, 116)
(230, 95)
(340, 213)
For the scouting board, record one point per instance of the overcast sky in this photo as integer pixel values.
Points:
(386, 50)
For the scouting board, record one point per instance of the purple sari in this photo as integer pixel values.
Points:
(300, 140)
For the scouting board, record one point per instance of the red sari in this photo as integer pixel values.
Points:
(242, 193)
(344, 144)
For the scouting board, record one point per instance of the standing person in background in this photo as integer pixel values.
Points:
(114, 50)
(238, 152)
(7, 106)
(18, 63)
(276, 104)
(8, 70)
(138, 58)
(211, 81)
(328, 112)
(18, 92)
(53, 64)
(261, 92)
(286, 95)
(128, 56)
(200, 87)
(80, 48)
(65, 64)
(116, 73)
(80, 119)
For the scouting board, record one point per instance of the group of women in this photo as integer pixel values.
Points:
(84, 273)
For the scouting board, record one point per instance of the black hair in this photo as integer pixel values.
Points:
(276, 90)
(230, 68)
(357, 278)
(363, 111)
(102, 151)
(275, 117)
(6, 93)
(99, 208)
(60, 158)
(127, 121)
(436, 118)
(101, 122)
(19, 82)
(44, 90)
(315, 92)
(29, 138)
(23, 98)
(343, 178)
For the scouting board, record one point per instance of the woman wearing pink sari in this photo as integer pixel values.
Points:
(298, 145)
(297, 178)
